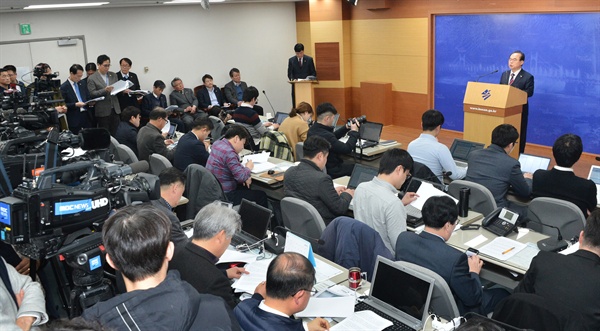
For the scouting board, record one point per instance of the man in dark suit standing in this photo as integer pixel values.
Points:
(429, 250)
(300, 67)
(100, 85)
(521, 79)
(76, 94)
(125, 99)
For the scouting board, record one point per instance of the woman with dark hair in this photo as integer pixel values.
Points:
(295, 127)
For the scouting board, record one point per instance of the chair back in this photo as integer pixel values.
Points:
(112, 148)
(299, 150)
(562, 214)
(276, 143)
(125, 154)
(201, 189)
(301, 217)
(217, 131)
(481, 199)
(442, 300)
(158, 163)
(198, 88)
(422, 171)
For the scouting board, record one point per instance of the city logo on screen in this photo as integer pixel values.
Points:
(486, 94)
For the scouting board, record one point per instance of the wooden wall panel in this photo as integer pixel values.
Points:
(376, 101)
(340, 98)
(327, 59)
(408, 108)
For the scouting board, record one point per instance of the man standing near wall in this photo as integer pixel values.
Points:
(100, 85)
(300, 66)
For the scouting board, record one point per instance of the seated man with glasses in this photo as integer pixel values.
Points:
(290, 280)
(151, 140)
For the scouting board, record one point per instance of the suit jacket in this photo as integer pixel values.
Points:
(338, 148)
(571, 279)
(75, 117)
(565, 185)
(497, 171)
(189, 150)
(149, 102)
(432, 252)
(127, 135)
(252, 318)
(150, 140)
(96, 85)
(197, 267)
(124, 99)
(204, 98)
(295, 71)
(523, 81)
(231, 93)
(183, 100)
(178, 237)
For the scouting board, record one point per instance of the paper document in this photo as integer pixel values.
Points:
(571, 249)
(262, 167)
(502, 248)
(365, 320)
(256, 158)
(426, 191)
(231, 255)
(171, 108)
(524, 257)
(325, 271)
(480, 239)
(120, 86)
(139, 92)
(257, 273)
(328, 307)
(94, 100)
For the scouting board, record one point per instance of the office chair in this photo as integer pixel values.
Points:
(442, 300)
(201, 189)
(112, 148)
(422, 171)
(217, 131)
(562, 214)
(301, 217)
(481, 199)
(158, 163)
(299, 151)
(125, 154)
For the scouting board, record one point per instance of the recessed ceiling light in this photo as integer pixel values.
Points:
(66, 5)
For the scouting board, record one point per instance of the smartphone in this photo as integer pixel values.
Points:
(471, 251)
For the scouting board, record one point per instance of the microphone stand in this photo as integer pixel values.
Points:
(551, 244)
(266, 96)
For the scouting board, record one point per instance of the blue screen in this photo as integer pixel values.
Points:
(562, 52)
(5, 213)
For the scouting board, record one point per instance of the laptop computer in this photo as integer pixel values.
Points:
(594, 176)
(279, 117)
(255, 222)
(461, 149)
(531, 163)
(361, 173)
(171, 132)
(370, 133)
(402, 294)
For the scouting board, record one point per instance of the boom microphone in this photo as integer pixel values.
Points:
(480, 77)
(265, 93)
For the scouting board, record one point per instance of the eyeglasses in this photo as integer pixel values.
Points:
(106, 65)
(312, 291)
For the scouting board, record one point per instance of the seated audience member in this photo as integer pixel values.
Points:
(308, 182)
(224, 163)
(570, 280)
(193, 147)
(561, 182)
(150, 138)
(214, 226)
(495, 169)
(153, 100)
(185, 99)
(295, 127)
(247, 117)
(427, 150)
(128, 128)
(290, 279)
(22, 302)
(125, 99)
(172, 185)
(137, 242)
(234, 90)
(76, 94)
(336, 167)
(210, 96)
(429, 249)
(376, 202)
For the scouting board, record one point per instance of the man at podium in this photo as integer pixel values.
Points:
(521, 79)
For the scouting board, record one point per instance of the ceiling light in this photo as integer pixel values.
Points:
(66, 5)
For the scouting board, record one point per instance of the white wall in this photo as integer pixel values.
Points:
(184, 41)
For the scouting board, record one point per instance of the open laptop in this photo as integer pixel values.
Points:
(594, 176)
(402, 294)
(370, 133)
(360, 174)
(531, 163)
(171, 132)
(461, 149)
(279, 117)
(255, 222)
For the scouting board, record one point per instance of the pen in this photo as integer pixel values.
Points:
(508, 250)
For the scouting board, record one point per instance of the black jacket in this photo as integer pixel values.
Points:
(338, 148)
(127, 135)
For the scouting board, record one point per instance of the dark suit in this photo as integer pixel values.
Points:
(523, 81)
(125, 100)
(197, 267)
(107, 110)
(149, 102)
(565, 185)
(127, 135)
(184, 99)
(150, 140)
(204, 98)
(432, 252)
(335, 164)
(189, 150)
(570, 279)
(178, 237)
(77, 119)
(296, 71)
(231, 93)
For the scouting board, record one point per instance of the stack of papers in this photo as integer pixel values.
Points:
(363, 320)
(502, 248)
(426, 191)
(261, 162)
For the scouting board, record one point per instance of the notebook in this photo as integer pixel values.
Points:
(370, 133)
(255, 222)
(461, 149)
(531, 163)
(594, 176)
(402, 294)
(361, 173)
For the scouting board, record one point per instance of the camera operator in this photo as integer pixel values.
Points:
(45, 83)
(336, 167)
(76, 94)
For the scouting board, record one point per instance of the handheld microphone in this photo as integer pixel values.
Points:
(480, 77)
(551, 244)
(273, 109)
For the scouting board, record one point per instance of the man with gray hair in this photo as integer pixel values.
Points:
(214, 226)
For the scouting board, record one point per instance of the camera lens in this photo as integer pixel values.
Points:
(82, 259)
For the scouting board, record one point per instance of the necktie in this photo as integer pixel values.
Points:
(107, 80)
(512, 78)
(125, 77)
(76, 87)
(300, 60)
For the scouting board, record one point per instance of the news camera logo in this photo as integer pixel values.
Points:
(78, 206)
(486, 94)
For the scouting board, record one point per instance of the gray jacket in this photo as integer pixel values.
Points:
(96, 85)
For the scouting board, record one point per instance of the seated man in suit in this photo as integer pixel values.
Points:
(247, 117)
(214, 226)
(185, 99)
(234, 90)
(561, 182)
(193, 146)
(153, 100)
(210, 96)
(76, 94)
(570, 280)
(224, 163)
(290, 279)
(336, 167)
(137, 242)
(308, 182)
(495, 169)
(150, 138)
(172, 185)
(128, 128)
(427, 150)
(429, 250)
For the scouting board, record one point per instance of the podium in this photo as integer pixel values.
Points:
(488, 105)
(303, 90)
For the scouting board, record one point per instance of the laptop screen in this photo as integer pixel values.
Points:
(371, 131)
(255, 218)
(594, 175)
(361, 173)
(461, 149)
(531, 163)
(280, 116)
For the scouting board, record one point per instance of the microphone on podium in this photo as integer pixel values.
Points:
(480, 77)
